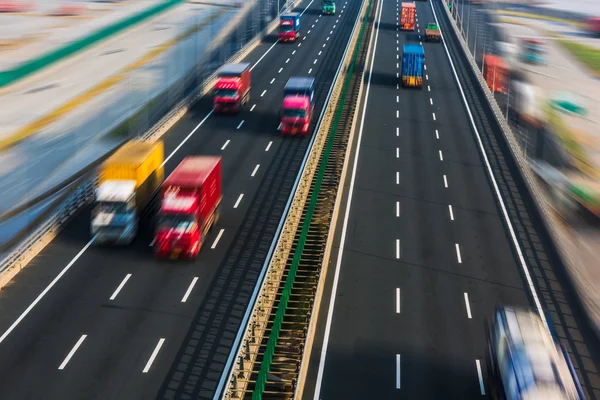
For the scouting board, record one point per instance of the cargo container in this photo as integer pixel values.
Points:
(232, 89)
(128, 180)
(328, 7)
(496, 73)
(190, 199)
(407, 16)
(289, 27)
(413, 58)
(432, 32)
(298, 105)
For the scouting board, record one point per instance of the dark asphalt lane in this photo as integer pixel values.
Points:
(123, 333)
(401, 239)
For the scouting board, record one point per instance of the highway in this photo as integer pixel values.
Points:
(431, 236)
(97, 322)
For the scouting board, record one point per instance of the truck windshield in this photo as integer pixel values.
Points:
(286, 28)
(111, 207)
(226, 93)
(294, 112)
(179, 222)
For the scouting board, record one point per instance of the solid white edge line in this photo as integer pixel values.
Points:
(186, 138)
(217, 239)
(269, 146)
(398, 371)
(225, 145)
(227, 371)
(72, 352)
(123, 282)
(237, 203)
(255, 169)
(495, 184)
(189, 289)
(451, 212)
(397, 300)
(153, 356)
(458, 257)
(41, 295)
(480, 376)
(336, 277)
(468, 305)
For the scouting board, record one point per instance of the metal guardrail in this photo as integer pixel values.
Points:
(266, 296)
(61, 211)
(544, 207)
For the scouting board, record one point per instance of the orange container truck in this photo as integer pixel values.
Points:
(407, 16)
(495, 72)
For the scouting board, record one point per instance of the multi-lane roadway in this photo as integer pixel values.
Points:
(435, 230)
(83, 321)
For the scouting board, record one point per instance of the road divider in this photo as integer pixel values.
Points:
(100, 88)
(30, 67)
(299, 251)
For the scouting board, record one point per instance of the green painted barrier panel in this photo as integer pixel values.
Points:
(29, 67)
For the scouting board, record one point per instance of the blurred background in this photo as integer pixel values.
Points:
(541, 61)
(78, 78)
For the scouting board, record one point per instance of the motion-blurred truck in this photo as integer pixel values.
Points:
(593, 26)
(128, 181)
(526, 360)
(298, 105)
(407, 16)
(527, 103)
(533, 51)
(289, 27)
(413, 59)
(189, 207)
(232, 89)
(496, 73)
(328, 7)
(432, 32)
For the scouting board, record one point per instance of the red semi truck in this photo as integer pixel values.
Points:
(190, 199)
(232, 89)
(407, 16)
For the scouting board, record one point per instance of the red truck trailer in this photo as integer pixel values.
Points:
(190, 199)
(407, 16)
(232, 89)
(496, 73)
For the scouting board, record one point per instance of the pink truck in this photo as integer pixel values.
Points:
(298, 105)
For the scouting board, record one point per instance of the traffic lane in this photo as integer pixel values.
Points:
(185, 126)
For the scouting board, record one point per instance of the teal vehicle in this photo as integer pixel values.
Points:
(328, 7)
(533, 51)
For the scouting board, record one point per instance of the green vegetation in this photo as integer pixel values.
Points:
(587, 55)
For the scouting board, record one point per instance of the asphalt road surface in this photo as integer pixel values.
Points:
(426, 247)
(116, 323)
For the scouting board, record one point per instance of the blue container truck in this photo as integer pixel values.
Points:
(413, 58)
(289, 27)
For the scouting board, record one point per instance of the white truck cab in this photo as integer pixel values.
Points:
(114, 217)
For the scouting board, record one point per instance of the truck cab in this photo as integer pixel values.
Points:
(232, 89)
(328, 7)
(114, 218)
(298, 105)
(178, 231)
(432, 32)
(289, 27)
